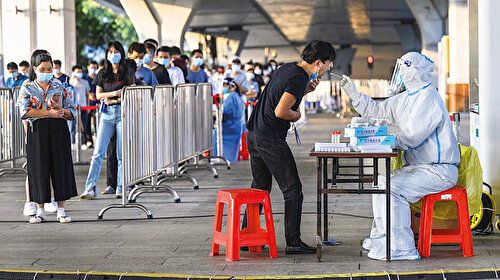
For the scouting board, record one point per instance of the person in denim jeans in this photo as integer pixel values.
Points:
(109, 82)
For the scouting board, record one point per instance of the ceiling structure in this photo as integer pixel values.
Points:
(383, 28)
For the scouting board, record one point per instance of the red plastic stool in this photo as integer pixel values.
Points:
(243, 154)
(253, 236)
(462, 234)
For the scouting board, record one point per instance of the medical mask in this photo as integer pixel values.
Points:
(14, 75)
(236, 67)
(93, 71)
(147, 59)
(44, 77)
(273, 67)
(138, 61)
(250, 76)
(225, 90)
(164, 61)
(79, 75)
(258, 71)
(198, 61)
(114, 58)
(56, 71)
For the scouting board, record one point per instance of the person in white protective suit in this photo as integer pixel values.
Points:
(431, 151)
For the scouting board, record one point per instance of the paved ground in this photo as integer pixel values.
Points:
(178, 239)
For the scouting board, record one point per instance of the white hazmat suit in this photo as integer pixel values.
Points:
(431, 152)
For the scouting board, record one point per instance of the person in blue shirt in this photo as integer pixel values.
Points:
(137, 51)
(232, 124)
(195, 73)
(15, 79)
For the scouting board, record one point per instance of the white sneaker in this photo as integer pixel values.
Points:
(118, 193)
(38, 219)
(29, 209)
(87, 195)
(51, 207)
(64, 219)
(84, 147)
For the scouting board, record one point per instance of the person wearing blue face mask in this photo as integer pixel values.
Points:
(92, 68)
(109, 83)
(238, 74)
(81, 89)
(232, 126)
(195, 73)
(164, 57)
(270, 155)
(137, 52)
(46, 105)
(149, 62)
(15, 79)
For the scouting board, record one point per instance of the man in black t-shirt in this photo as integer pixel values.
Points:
(270, 155)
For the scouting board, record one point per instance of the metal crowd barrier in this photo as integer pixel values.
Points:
(165, 130)
(139, 145)
(12, 134)
(195, 119)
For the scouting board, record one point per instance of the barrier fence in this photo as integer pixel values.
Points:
(162, 128)
(12, 134)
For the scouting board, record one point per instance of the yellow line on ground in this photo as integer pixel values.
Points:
(184, 276)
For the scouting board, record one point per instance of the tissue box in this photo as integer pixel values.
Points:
(365, 131)
(389, 140)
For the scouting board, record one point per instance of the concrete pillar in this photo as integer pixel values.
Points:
(173, 20)
(432, 25)
(143, 18)
(489, 59)
(458, 81)
(18, 30)
(56, 30)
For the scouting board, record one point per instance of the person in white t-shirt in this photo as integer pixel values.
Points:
(81, 91)
(175, 73)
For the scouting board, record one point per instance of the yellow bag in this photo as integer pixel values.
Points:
(470, 176)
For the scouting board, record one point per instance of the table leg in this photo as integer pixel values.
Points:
(388, 207)
(318, 208)
(325, 199)
(375, 171)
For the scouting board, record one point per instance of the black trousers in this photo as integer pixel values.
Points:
(271, 157)
(88, 127)
(49, 158)
(112, 163)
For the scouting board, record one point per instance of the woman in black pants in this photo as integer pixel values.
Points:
(46, 105)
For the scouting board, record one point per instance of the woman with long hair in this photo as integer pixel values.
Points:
(109, 83)
(44, 102)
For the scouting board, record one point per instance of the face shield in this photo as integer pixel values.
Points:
(397, 84)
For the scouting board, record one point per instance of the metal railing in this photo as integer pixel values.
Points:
(195, 107)
(139, 145)
(12, 134)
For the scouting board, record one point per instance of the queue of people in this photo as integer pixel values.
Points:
(48, 98)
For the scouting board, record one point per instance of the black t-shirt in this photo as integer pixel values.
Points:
(288, 78)
(115, 83)
(161, 74)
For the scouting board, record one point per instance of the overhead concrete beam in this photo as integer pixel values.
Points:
(174, 17)
(431, 23)
(143, 19)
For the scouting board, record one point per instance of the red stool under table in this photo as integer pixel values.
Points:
(253, 236)
(462, 234)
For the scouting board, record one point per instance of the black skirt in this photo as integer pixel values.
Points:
(49, 158)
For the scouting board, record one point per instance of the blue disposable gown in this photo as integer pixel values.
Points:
(232, 126)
